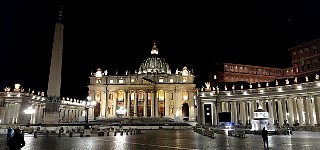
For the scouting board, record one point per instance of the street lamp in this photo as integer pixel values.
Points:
(121, 111)
(30, 112)
(89, 104)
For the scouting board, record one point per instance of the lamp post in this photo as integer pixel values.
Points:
(121, 111)
(89, 104)
(30, 112)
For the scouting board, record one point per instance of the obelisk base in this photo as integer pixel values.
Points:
(51, 118)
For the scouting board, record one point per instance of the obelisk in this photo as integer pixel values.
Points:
(54, 82)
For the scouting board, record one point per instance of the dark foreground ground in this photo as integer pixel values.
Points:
(171, 139)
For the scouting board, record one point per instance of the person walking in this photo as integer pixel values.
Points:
(16, 142)
(9, 133)
(265, 137)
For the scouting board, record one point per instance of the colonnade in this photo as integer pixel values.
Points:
(302, 109)
(146, 103)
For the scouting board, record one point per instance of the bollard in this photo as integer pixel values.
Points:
(127, 132)
(47, 133)
(115, 133)
(70, 133)
(121, 133)
(131, 132)
(35, 134)
(81, 134)
(107, 133)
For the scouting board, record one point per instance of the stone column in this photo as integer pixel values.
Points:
(115, 103)
(214, 113)
(294, 109)
(275, 115)
(37, 113)
(234, 112)
(246, 115)
(145, 104)
(300, 105)
(156, 106)
(280, 113)
(135, 105)
(290, 109)
(125, 102)
(284, 109)
(242, 112)
(191, 107)
(316, 108)
(270, 106)
(310, 107)
(227, 106)
(223, 107)
(306, 111)
(264, 104)
(255, 107)
(251, 108)
(129, 103)
(152, 103)
(103, 104)
(202, 113)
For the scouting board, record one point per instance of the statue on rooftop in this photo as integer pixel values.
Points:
(307, 79)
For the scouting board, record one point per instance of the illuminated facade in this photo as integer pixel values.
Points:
(305, 62)
(287, 101)
(305, 58)
(151, 91)
(229, 72)
(20, 107)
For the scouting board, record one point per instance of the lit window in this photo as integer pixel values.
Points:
(132, 80)
(185, 79)
(98, 80)
(161, 95)
(121, 81)
(215, 77)
(171, 80)
(120, 95)
(185, 95)
(160, 80)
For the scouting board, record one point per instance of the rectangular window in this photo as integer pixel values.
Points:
(111, 81)
(121, 81)
(160, 80)
(171, 80)
(185, 79)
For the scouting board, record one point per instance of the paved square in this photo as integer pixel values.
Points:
(172, 139)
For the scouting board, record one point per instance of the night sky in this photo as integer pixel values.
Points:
(119, 36)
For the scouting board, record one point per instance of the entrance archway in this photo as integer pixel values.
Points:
(97, 111)
(185, 111)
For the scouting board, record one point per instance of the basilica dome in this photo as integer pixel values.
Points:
(154, 64)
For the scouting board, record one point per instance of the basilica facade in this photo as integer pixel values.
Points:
(151, 91)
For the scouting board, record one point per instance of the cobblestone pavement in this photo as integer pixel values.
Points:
(171, 139)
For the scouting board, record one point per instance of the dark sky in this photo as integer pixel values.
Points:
(119, 36)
